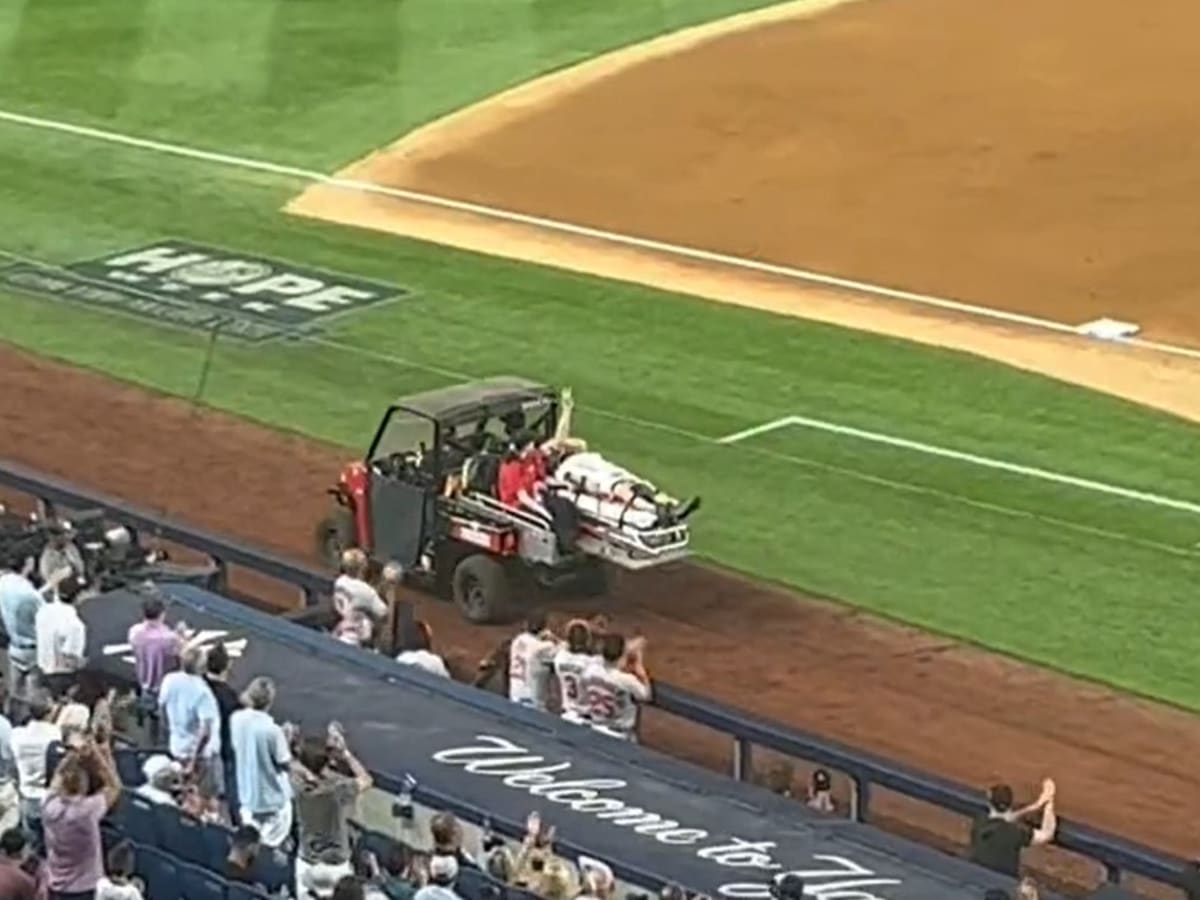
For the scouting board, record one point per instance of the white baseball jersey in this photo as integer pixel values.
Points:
(569, 668)
(529, 658)
(612, 696)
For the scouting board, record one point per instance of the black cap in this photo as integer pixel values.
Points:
(821, 780)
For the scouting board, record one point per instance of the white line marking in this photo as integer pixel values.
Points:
(756, 430)
(596, 234)
(986, 462)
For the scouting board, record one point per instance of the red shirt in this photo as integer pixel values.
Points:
(520, 475)
(510, 482)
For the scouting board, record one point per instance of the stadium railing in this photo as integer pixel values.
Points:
(747, 731)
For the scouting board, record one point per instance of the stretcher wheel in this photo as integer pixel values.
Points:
(481, 589)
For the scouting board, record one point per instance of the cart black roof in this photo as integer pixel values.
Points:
(463, 402)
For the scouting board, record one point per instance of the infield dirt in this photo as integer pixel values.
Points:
(936, 704)
(1032, 156)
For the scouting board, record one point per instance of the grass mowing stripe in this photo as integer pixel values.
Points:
(571, 229)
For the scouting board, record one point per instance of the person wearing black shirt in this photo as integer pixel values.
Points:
(999, 836)
(216, 676)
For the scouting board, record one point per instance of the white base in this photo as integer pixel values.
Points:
(1109, 329)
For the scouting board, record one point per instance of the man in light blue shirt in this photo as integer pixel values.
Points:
(19, 605)
(262, 760)
(193, 722)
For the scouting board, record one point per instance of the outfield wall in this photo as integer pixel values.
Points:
(746, 732)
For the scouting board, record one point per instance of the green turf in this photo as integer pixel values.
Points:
(309, 82)
(1075, 579)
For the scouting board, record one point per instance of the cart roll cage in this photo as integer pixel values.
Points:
(475, 401)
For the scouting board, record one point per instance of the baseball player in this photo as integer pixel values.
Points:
(529, 660)
(615, 685)
(570, 663)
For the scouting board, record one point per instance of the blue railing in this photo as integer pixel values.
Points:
(865, 770)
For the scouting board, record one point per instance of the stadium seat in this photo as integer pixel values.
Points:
(470, 883)
(273, 870)
(217, 839)
(180, 834)
(129, 767)
(139, 820)
(160, 874)
(374, 842)
(244, 892)
(196, 883)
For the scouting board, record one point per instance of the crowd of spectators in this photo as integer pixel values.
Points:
(227, 759)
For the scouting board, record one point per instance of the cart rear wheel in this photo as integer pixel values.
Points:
(481, 589)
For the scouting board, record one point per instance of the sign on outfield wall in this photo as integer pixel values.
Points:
(196, 286)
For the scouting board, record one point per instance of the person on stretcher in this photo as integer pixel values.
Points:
(564, 469)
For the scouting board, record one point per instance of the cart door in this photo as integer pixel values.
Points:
(403, 491)
(400, 518)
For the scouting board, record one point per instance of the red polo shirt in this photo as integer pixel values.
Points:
(510, 482)
(520, 475)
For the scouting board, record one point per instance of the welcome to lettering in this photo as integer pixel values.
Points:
(834, 878)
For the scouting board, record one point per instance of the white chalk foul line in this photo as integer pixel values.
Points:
(596, 234)
(975, 459)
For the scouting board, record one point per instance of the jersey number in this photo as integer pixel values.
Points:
(601, 703)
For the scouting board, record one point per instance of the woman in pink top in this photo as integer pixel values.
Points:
(71, 818)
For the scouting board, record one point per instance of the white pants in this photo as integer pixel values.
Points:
(273, 828)
(307, 874)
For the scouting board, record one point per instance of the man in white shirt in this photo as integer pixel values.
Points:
(570, 664)
(193, 722)
(615, 685)
(361, 610)
(420, 654)
(529, 659)
(29, 744)
(263, 761)
(61, 638)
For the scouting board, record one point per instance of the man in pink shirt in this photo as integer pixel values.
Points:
(155, 653)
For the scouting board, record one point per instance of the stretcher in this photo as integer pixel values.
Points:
(622, 518)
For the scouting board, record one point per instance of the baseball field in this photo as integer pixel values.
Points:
(824, 263)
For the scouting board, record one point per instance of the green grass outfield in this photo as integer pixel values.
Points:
(1094, 584)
